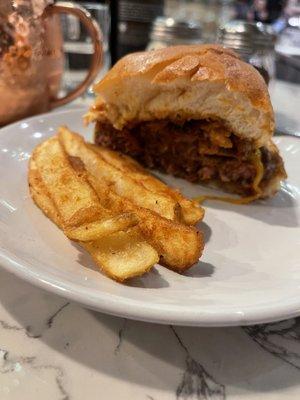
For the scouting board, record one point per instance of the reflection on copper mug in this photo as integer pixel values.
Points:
(32, 59)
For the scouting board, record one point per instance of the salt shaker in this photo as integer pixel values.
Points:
(255, 43)
(167, 31)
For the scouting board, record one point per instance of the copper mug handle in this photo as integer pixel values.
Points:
(66, 7)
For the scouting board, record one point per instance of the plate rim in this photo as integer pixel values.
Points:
(137, 310)
(121, 306)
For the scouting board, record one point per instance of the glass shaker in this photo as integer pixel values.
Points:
(255, 43)
(209, 13)
(167, 31)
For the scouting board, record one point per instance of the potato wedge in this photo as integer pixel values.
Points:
(73, 197)
(40, 195)
(180, 246)
(125, 218)
(120, 255)
(123, 255)
(122, 184)
(191, 211)
(98, 229)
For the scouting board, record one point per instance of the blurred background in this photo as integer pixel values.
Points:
(48, 50)
(265, 32)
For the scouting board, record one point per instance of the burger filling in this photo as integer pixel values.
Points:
(196, 150)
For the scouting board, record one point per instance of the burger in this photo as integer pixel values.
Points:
(197, 112)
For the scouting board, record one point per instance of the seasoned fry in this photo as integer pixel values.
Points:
(73, 197)
(120, 255)
(123, 255)
(125, 218)
(98, 229)
(40, 195)
(123, 184)
(191, 211)
(180, 246)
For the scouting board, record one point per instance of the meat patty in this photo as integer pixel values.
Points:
(199, 151)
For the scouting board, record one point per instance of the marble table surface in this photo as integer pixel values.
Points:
(51, 349)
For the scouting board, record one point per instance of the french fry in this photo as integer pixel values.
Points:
(122, 184)
(180, 246)
(123, 255)
(73, 197)
(40, 195)
(125, 218)
(98, 229)
(120, 255)
(191, 211)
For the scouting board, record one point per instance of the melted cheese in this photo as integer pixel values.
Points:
(256, 159)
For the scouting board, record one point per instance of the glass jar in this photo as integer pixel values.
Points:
(255, 43)
(209, 13)
(167, 31)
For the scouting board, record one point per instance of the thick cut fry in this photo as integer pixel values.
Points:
(40, 195)
(98, 229)
(73, 197)
(121, 256)
(179, 245)
(125, 218)
(190, 210)
(122, 184)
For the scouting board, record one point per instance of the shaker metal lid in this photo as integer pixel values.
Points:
(246, 36)
(169, 29)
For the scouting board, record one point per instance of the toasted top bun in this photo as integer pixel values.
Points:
(186, 82)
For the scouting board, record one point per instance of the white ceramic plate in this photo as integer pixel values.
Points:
(250, 271)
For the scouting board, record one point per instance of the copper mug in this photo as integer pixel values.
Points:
(32, 59)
